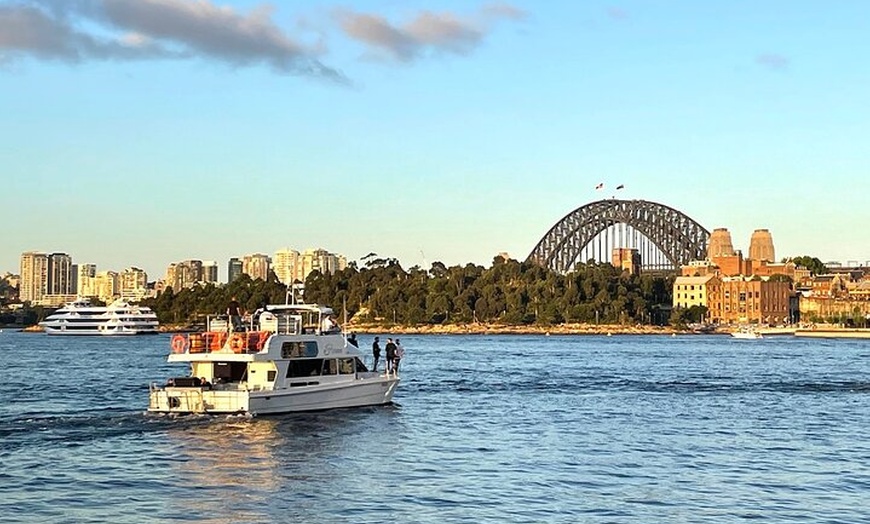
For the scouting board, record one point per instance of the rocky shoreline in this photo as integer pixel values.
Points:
(500, 329)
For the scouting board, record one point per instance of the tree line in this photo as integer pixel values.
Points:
(509, 292)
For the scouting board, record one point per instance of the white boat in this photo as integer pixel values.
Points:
(746, 333)
(118, 318)
(285, 361)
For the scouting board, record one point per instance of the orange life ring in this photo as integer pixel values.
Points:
(237, 343)
(178, 344)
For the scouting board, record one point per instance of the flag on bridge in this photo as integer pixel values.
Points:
(620, 186)
(600, 186)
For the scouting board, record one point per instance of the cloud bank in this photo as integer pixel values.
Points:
(148, 29)
(426, 33)
(75, 31)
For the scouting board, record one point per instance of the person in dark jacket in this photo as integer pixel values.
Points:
(391, 354)
(376, 352)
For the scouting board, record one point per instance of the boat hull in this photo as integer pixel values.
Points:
(96, 332)
(189, 400)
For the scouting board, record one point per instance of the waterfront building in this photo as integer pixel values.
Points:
(234, 269)
(34, 276)
(757, 300)
(55, 300)
(698, 291)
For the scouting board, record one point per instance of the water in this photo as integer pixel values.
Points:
(487, 429)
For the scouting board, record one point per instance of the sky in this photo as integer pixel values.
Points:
(144, 132)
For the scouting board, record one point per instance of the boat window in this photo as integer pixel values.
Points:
(330, 366)
(230, 371)
(345, 366)
(270, 375)
(299, 349)
(360, 367)
(305, 368)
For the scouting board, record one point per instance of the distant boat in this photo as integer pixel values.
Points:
(118, 318)
(746, 333)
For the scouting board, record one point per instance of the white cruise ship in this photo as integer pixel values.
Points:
(118, 318)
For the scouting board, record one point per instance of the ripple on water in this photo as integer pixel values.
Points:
(484, 429)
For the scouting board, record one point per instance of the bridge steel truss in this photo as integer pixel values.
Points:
(675, 236)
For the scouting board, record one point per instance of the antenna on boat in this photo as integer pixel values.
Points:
(344, 320)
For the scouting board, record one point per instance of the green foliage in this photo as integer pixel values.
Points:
(816, 266)
(509, 292)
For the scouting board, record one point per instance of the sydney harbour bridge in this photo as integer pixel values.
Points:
(664, 238)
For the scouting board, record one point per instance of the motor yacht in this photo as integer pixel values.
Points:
(287, 358)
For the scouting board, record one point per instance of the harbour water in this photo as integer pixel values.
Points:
(485, 429)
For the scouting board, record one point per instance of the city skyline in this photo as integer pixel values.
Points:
(449, 132)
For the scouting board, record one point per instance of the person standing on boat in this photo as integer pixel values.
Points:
(352, 340)
(234, 312)
(329, 325)
(400, 353)
(391, 354)
(376, 353)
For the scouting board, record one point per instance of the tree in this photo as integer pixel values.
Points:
(816, 266)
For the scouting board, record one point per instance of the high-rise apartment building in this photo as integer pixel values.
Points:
(34, 276)
(320, 260)
(180, 275)
(133, 284)
(59, 278)
(234, 269)
(210, 271)
(284, 265)
(290, 265)
(85, 286)
(256, 266)
(106, 285)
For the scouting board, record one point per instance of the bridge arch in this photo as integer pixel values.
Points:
(664, 237)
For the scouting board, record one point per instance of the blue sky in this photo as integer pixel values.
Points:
(142, 132)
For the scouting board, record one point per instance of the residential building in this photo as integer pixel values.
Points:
(184, 274)
(86, 286)
(256, 266)
(106, 286)
(234, 269)
(284, 264)
(34, 276)
(210, 271)
(133, 284)
(59, 275)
